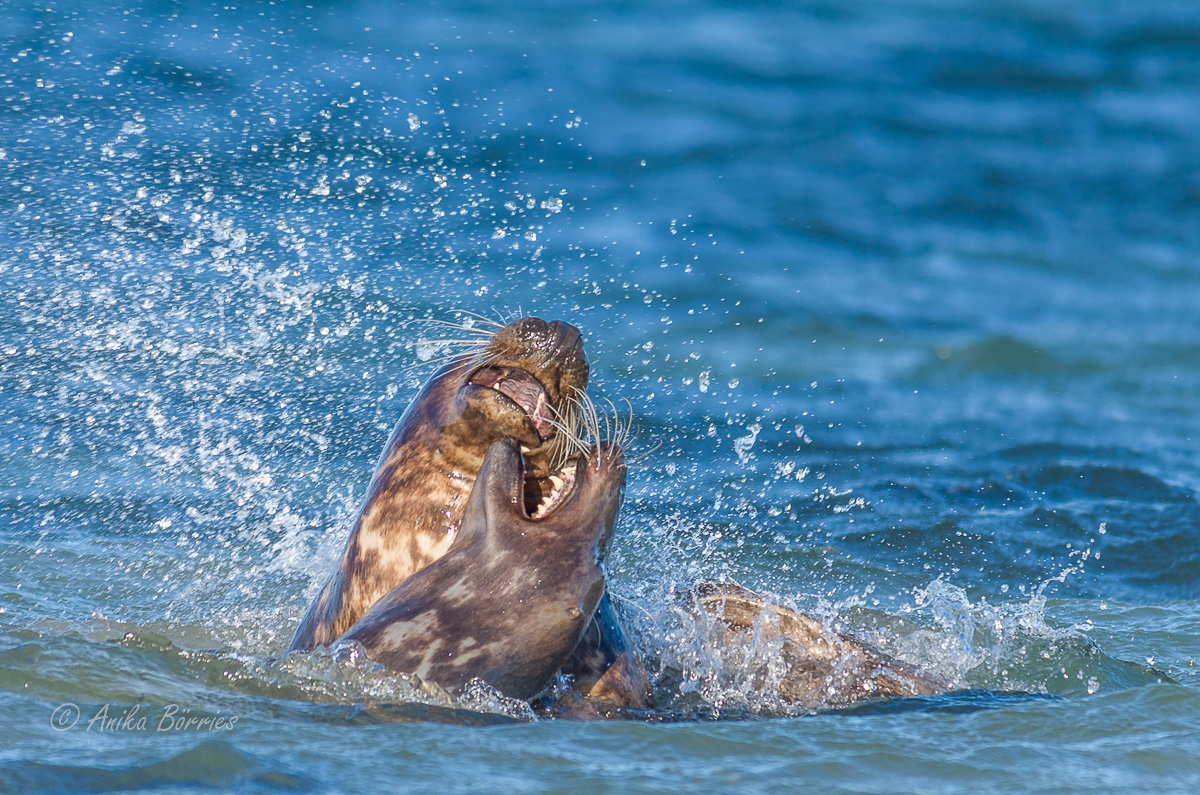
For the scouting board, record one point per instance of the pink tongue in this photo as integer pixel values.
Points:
(530, 396)
(541, 416)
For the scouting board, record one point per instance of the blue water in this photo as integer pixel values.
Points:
(904, 296)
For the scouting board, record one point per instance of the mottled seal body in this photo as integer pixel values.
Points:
(510, 600)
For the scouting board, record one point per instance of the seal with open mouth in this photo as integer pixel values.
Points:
(512, 597)
(519, 384)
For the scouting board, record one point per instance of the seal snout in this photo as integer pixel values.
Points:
(555, 339)
(554, 351)
(536, 366)
(590, 484)
(567, 345)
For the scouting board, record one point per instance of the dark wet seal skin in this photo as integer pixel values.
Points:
(513, 596)
(826, 666)
(521, 377)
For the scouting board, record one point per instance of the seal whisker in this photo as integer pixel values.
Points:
(622, 426)
(466, 326)
(510, 316)
(587, 434)
(569, 441)
(439, 341)
(480, 338)
(590, 428)
(628, 431)
(481, 318)
(619, 430)
(435, 360)
(641, 455)
(610, 425)
(468, 358)
(419, 364)
(478, 361)
(433, 321)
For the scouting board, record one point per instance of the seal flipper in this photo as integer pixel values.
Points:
(605, 668)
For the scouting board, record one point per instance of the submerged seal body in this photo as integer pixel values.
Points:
(824, 666)
(519, 383)
(510, 600)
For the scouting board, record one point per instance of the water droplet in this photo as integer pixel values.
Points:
(744, 444)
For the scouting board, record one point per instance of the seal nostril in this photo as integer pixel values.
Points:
(568, 342)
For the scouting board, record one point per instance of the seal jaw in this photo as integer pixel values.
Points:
(523, 383)
(503, 407)
(505, 479)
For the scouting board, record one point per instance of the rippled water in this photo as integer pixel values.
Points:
(905, 293)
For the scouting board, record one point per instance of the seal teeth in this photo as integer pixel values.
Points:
(560, 486)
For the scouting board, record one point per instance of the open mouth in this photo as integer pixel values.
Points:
(544, 495)
(521, 388)
(544, 491)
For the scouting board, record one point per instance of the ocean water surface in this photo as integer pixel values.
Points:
(905, 297)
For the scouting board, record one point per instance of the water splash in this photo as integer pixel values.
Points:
(1009, 645)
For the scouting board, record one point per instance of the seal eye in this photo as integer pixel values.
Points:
(522, 388)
